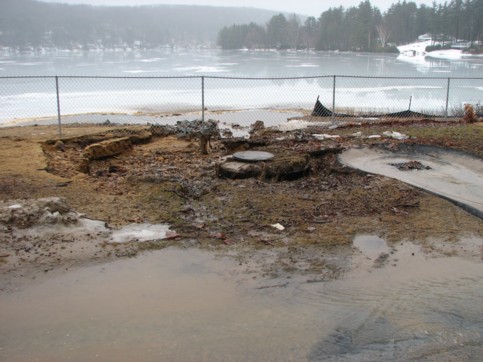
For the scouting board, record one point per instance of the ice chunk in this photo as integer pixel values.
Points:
(140, 232)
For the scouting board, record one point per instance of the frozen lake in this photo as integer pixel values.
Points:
(181, 91)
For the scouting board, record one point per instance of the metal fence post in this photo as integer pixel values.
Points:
(447, 100)
(58, 105)
(202, 99)
(333, 99)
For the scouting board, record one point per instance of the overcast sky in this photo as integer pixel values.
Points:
(304, 7)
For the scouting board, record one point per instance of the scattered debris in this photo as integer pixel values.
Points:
(168, 181)
(289, 166)
(470, 114)
(278, 226)
(321, 111)
(45, 211)
(410, 165)
(204, 131)
(381, 260)
(324, 136)
(257, 126)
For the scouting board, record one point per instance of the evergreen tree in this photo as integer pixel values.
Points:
(278, 32)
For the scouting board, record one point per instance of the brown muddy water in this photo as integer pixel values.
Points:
(395, 303)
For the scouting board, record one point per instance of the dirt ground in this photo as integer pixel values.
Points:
(165, 179)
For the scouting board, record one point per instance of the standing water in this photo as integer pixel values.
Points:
(189, 305)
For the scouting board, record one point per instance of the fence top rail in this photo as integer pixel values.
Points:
(337, 76)
(230, 77)
(100, 77)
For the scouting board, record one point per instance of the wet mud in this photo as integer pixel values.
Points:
(350, 252)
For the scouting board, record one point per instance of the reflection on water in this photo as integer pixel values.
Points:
(188, 305)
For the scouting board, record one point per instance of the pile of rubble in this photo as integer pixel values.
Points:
(410, 166)
(45, 211)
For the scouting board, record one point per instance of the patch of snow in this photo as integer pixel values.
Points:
(140, 233)
(296, 124)
(324, 136)
(395, 135)
(52, 217)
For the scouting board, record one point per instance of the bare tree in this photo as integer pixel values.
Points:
(384, 33)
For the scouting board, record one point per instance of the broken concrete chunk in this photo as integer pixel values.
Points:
(107, 148)
(240, 170)
(140, 137)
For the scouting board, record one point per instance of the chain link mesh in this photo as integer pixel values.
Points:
(235, 103)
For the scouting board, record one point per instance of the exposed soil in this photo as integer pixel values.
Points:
(168, 180)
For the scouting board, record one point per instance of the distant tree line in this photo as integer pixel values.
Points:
(361, 28)
(30, 23)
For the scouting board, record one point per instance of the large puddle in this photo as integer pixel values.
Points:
(454, 176)
(396, 303)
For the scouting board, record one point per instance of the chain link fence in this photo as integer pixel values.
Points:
(234, 102)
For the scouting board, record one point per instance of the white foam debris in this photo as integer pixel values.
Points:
(278, 226)
(324, 136)
(395, 135)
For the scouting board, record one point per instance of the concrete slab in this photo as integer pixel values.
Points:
(253, 156)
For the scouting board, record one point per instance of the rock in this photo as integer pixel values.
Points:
(107, 148)
(234, 169)
(162, 130)
(242, 144)
(84, 165)
(226, 133)
(283, 167)
(140, 137)
(59, 146)
(286, 167)
(54, 204)
(193, 129)
(46, 211)
(410, 165)
(257, 126)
